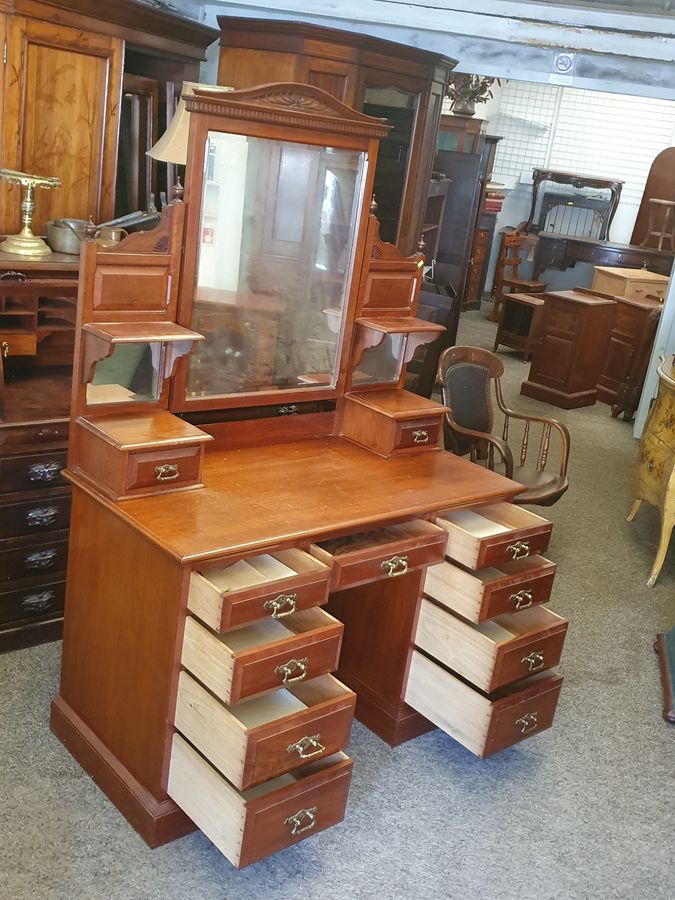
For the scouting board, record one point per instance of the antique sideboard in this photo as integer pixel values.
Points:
(259, 504)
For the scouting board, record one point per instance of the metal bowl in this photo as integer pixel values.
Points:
(66, 235)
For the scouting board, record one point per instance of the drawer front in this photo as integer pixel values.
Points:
(417, 435)
(537, 655)
(656, 463)
(33, 559)
(248, 827)
(389, 559)
(22, 433)
(533, 590)
(662, 420)
(474, 544)
(162, 469)
(35, 516)
(13, 344)
(481, 723)
(40, 470)
(277, 598)
(32, 602)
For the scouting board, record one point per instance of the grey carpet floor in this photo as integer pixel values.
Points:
(584, 810)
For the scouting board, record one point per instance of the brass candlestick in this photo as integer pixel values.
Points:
(25, 243)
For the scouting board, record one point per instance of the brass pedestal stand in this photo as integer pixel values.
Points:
(26, 243)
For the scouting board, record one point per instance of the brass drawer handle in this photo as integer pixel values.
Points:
(167, 472)
(287, 670)
(519, 550)
(301, 821)
(289, 410)
(528, 723)
(12, 275)
(41, 515)
(35, 602)
(281, 606)
(395, 566)
(307, 747)
(41, 559)
(534, 661)
(522, 600)
(420, 436)
(48, 471)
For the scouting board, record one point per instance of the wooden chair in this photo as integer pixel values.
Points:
(467, 377)
(506, 278)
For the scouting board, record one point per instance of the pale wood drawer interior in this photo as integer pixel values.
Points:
(271, 585)
(503, 588)
(262, 655)
(381, 553)
(495, 653)
(247, 826)
(482, 723)
(489, 535)
(267, 735)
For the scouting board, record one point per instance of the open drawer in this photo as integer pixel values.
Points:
(263, 655)
(381, 553)
(480, 595)
(490, 535)
(248, 826)
(272, 584)
(268, 735)
(483, 723)
(494, 653)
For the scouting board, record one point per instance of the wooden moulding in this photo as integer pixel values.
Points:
(371, 331)
(392, 422)
(482, 723)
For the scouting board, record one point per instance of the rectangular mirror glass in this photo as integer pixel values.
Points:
(130, 374)
(380, 364)
(274, 259)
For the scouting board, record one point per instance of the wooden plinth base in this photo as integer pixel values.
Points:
(557, 398)
(157, 821)
(605, 395)
(19, 636)
(394, 725)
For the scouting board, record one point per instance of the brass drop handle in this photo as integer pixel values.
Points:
(11, 275)
(307, 747)
(41, 559)
(301, 821)
(167, 472)
(48, 471)
(528, 723)
(41, 515)
(5, 349)
(522, 599)
(519, 550)
(420, 436)
(35, 602)
(395, 566)
(534, 661)
(293, 670)
(281, 606)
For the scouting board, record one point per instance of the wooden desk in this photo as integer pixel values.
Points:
(558, 251)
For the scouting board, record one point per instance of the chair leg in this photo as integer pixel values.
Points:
(633, 510)
(660, 553)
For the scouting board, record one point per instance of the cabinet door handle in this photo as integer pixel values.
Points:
(302, 820)
(534, 661)
(167, 472)
(41, 559)
(528, 723)
(41, 516)
(293, 670)
(522, 600)
(420, 436)
(395, 566)
(281, 606)
(307, 747)
(35, 602)
(44, 471)
(519, 550)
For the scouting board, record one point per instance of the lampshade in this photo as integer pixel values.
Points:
(172, 146)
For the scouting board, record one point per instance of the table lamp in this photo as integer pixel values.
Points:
(25, 243)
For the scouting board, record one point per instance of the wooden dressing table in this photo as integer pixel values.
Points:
(208, 607)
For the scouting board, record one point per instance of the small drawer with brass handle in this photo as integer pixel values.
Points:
(157, 468)
(483, 723)
(248, 825)
(34, 602)
(382, 553)
(271, 585)
(33, 516)
(16, 343)
(32, 472)
(481, 595)
(24, 558)
(490, 535)
(262, 655)
(421, 434)
(263, 737)
(494, 653)
(392, 422)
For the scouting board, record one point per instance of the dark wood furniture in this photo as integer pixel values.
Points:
(660, 185)
(82, 49)
(37, 328)
(308, 545)
(484, 232)
(570, 354)
(506, 278)
(559, 251)
(519, 325)
(441, 305)
(468, 377)
(401, 83)
(432, 221)
(540, 208)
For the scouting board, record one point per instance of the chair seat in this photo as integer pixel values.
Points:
(525, 283)
(541, 488)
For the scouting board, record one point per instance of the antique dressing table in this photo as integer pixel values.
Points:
(257, 503)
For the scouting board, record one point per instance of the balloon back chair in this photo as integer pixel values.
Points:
(468, 377)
